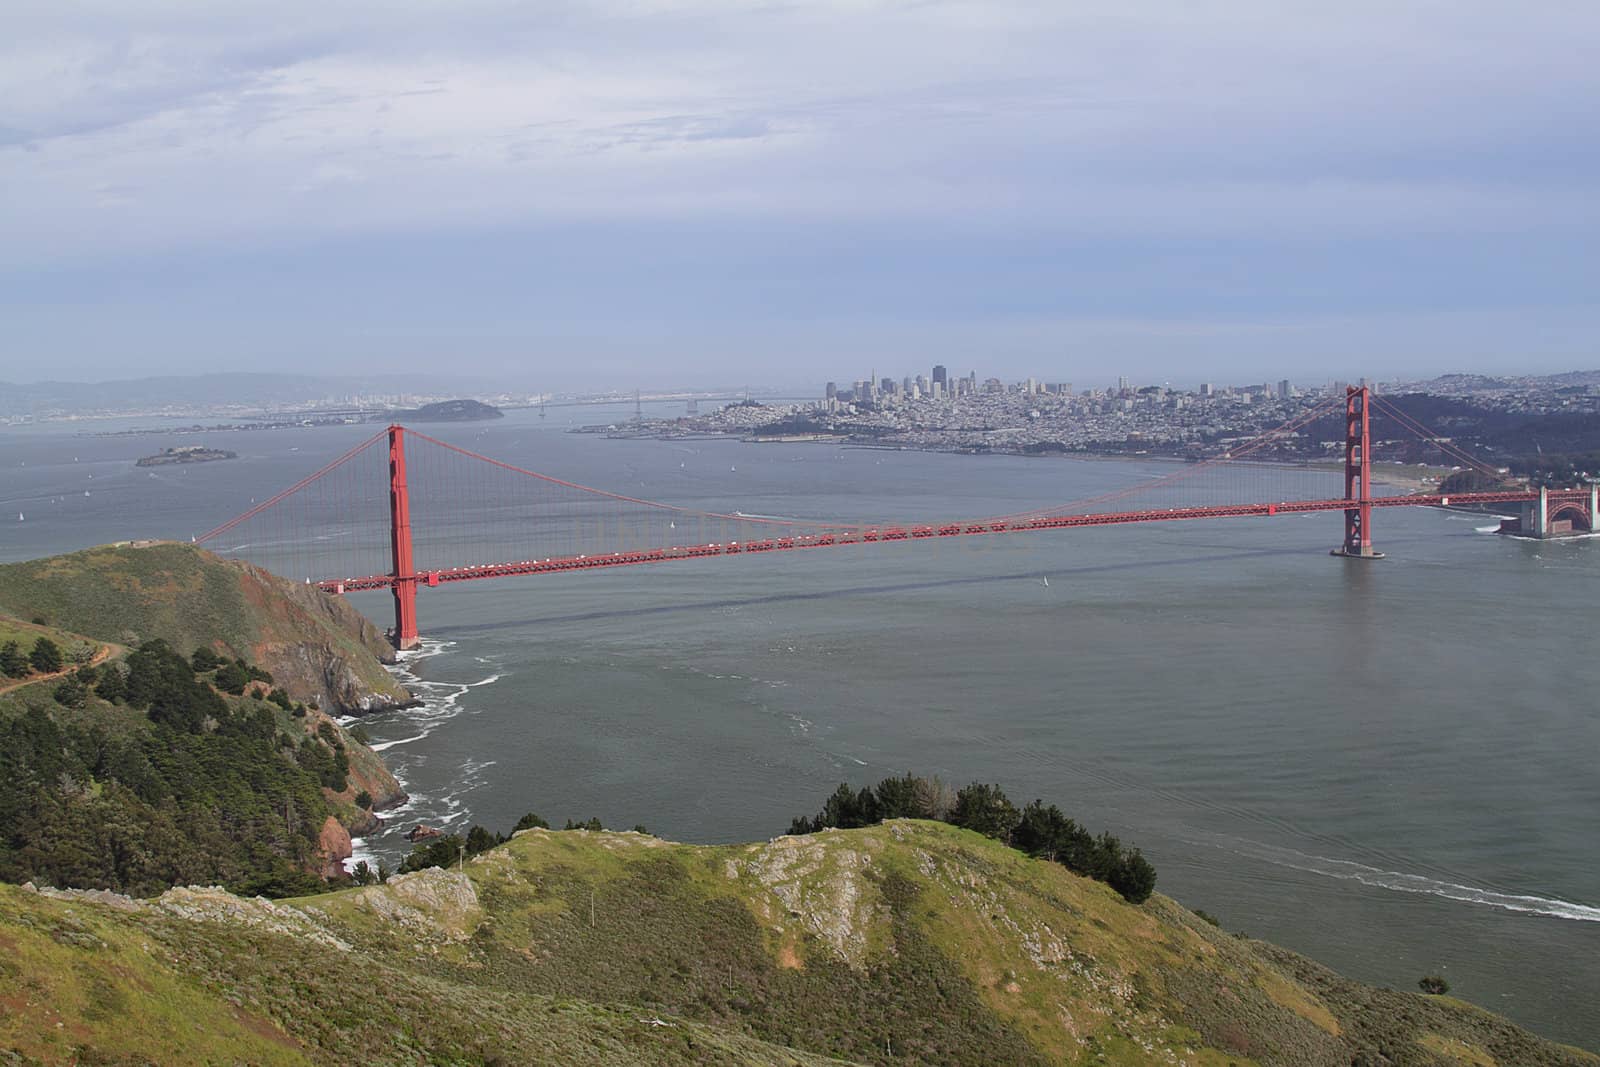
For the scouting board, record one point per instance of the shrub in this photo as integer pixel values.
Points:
(1433, 984)
(360, 736)
(529, 822)
(71, 693)
(364, 800)
(204, 660)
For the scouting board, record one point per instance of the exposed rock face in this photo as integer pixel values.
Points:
(330, 653)
(433, 902)
(217, 905)
(334, 845)
(825, 889)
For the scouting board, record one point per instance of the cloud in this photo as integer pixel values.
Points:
(219, 130)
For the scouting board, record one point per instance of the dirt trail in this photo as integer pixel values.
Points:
(101, 654)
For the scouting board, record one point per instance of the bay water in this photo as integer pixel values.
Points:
(1392, 767)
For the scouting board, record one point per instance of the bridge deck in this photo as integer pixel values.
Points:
(879, 534)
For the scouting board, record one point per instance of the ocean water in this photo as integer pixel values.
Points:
(1391, 766)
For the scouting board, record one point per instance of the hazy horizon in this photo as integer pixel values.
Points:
(690, 192)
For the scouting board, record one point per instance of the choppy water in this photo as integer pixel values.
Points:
(1391, 767)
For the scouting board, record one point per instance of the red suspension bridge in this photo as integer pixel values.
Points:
(350, 527)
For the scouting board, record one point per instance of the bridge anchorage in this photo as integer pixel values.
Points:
(335, 530)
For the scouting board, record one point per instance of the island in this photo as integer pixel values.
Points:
(185, 454)
(450, 411)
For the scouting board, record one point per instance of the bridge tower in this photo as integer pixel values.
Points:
(1357, 475)
(404, 573)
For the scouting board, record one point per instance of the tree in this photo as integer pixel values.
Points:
(232, 678)
(46, 656)
(905, 797)
(1433, 984)
(481, 840)
(1133, 877)
(1046, 832)
(13, 664)
(364, 800)
(986, 809)
(112, 685)
(363, 874)
(529, 822)
(204, 660)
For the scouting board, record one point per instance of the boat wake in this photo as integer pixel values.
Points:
(1400, 882)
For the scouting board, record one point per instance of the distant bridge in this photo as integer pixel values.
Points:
(526, 523)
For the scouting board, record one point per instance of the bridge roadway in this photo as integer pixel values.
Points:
(850, 535)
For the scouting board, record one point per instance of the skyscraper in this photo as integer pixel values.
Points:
(940, 375)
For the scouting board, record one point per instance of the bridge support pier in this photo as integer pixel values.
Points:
(1357, 476)
(403, 576)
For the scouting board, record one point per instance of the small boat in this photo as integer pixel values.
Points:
(733, 470)
(20, 517)
(86, 492)
(1047, 582)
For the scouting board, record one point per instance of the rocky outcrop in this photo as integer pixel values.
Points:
(434, 903)
(333, 845)
(320, 673)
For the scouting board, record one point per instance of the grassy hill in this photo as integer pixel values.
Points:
(904, 943)
(318, 647)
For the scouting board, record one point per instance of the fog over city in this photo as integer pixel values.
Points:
(572, 195)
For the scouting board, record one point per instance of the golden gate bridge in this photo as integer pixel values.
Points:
(349, 527)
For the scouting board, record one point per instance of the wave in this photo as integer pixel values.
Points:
(1401, 882)
(441, 702)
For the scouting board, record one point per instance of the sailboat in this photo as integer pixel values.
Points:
(1047, 581)
(20, 517)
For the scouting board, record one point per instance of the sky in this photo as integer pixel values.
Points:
(694, 192)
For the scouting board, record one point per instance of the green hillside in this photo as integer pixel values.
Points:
(909, 942)
(317, 646)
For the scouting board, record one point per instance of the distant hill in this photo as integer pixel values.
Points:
(449, 411)
(214, 392)
(904, 943)
(157, 764)
(319, 647)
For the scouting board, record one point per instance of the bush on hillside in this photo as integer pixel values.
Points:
(1433, 984)
(1042, 831)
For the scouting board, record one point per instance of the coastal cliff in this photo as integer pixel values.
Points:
(317, 647)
